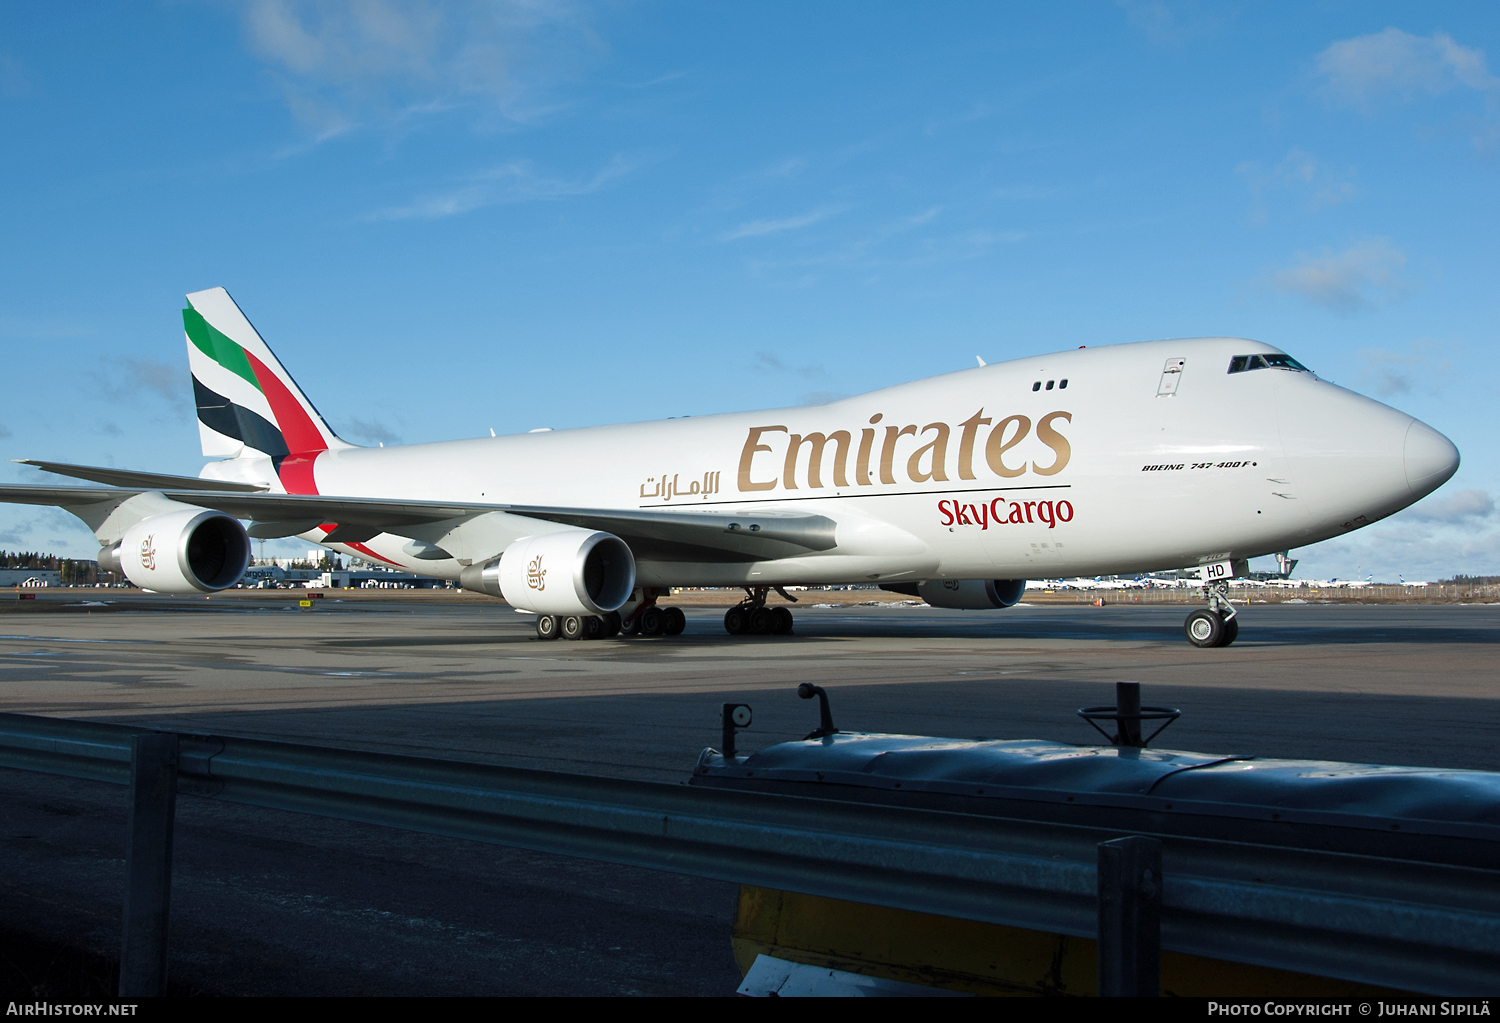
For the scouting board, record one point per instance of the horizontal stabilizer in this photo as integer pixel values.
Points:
(139, 480)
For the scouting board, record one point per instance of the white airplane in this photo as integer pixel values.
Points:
(1110, 460)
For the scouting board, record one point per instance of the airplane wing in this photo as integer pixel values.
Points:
(652, 535)
(63, 497)
(700, 536)
(143, 480)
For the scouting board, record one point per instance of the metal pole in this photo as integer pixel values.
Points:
(1128, 701)
(726, 722)
(148, 865)
(1130, 918)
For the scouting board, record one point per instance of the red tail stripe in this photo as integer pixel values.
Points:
(297, 473)
(303, 438)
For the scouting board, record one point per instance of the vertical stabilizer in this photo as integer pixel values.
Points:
(248, 404)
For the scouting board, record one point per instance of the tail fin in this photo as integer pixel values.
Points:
(248, 404)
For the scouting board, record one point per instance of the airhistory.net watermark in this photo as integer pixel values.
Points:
(69, 1009)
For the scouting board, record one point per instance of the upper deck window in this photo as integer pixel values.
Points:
(1245, 363)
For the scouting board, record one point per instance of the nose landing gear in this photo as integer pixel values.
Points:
(1216, 625)
(751, 617)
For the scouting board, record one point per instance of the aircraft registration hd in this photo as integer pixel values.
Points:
(956, 488)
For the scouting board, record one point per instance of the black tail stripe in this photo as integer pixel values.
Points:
(220, 414)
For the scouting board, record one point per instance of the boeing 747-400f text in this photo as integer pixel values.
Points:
(957, 488)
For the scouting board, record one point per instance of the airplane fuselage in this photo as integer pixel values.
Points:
(1114, 459)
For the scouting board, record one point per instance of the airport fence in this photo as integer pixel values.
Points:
(1437, 593)
(1420, 927)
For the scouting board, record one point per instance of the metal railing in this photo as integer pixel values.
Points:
(1414, 926)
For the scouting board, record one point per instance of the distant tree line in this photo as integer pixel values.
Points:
(75, 571)
(1472, 580)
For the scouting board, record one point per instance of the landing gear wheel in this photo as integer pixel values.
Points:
(611, 625)
(1231, 631)
(736, 621)
(631, 627)
(1204, 629)
(675, 622)
(546, 626)
(573, 627)
(761, 621)
(651, 621)
(783, 621)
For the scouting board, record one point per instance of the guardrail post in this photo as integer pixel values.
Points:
(1130, 917)
(148, 865)
(1128, 707)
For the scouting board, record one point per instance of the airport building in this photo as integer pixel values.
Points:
(30, 578)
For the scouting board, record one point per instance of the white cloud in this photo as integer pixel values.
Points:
(820, 397)
(125, 378)
(516, 181)
(1407, 546)
(1173, 24)
(758, 228)
(1424, 366)
(1462, 506)
(372, 430)
(1361, 70)
(1366, 274)
(772, 363)
(13, 80)
(1299, 172)
(342, 62)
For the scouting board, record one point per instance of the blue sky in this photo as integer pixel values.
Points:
(452, 217)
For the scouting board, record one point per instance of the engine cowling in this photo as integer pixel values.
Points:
(972, 594)
(189, 551)
(569, 572)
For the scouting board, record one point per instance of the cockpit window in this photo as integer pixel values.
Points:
(1245, 363)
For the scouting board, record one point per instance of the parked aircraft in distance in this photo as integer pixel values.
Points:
(957, 488)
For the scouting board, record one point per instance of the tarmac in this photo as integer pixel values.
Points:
(270, 903)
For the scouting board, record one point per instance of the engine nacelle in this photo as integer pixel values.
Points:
(189, 551)
(569, 572)
(972, 594)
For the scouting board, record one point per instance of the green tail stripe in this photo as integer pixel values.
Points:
(217, 346)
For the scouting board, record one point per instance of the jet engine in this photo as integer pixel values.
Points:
(966, 594)
(189, 551)
(569, 572)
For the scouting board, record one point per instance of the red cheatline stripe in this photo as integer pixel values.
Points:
(329, 527)
(365, 550)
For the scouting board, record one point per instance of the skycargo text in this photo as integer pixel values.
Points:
(956, 513)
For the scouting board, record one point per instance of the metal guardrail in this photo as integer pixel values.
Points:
(1419, 927)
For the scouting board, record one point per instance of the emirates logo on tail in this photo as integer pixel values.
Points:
(148, 553)
(536, 575)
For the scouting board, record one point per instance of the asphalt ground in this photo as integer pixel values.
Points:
(286, 904)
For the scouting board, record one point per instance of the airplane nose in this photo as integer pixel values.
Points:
(1431, 459)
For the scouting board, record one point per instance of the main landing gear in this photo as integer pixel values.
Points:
(1216, 625)
(751, 617)
(650, 620)
(642, 617)
(577, 626)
